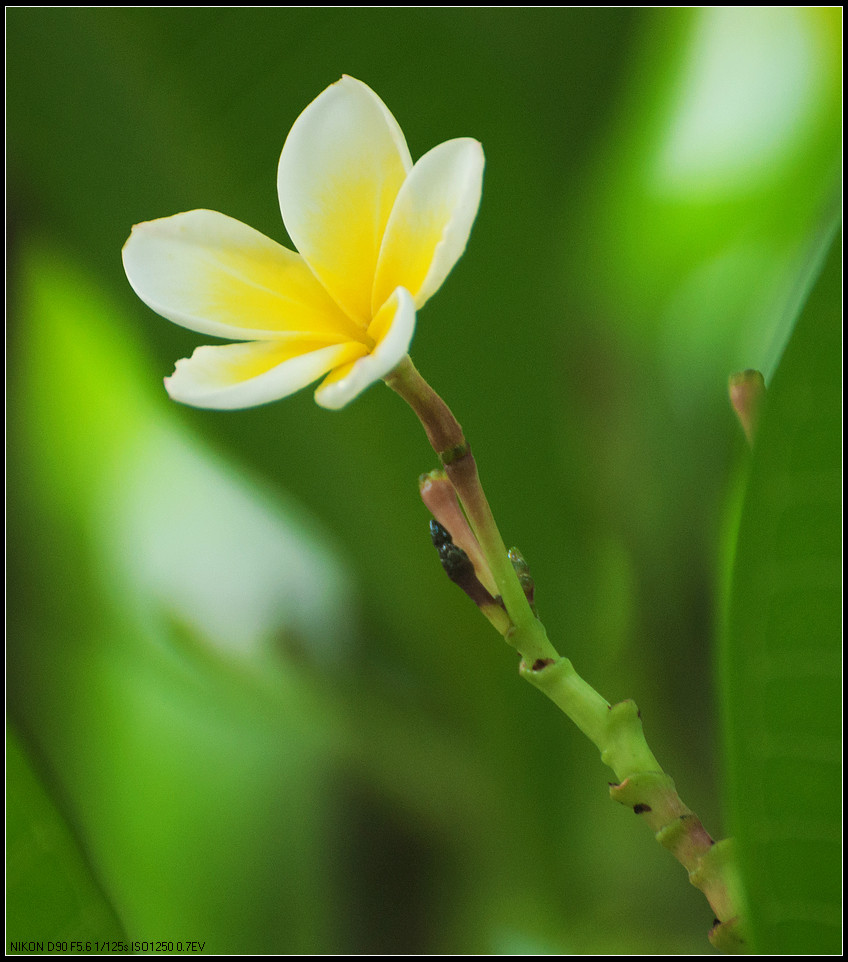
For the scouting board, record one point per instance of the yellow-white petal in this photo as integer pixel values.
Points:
(340, 171)
(230, 376)
(213, 274)
(431, 221)
(392, 328)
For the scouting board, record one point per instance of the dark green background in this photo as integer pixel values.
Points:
(324, 748)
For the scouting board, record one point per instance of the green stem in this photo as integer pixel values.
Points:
(528, 635)
(616, 730)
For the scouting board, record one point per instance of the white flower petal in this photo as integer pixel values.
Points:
(213, 274)
(394, 325)
(340, 171)
(230, 376)
(431, 220)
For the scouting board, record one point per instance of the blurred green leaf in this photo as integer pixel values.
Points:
(52, 894)
(172, 610)
(781, 663)
(721, 186)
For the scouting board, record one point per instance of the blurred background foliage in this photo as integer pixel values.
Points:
(247, 708)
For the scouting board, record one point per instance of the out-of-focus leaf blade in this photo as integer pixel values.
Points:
(780, 671)
(51, 894)
(160, 676)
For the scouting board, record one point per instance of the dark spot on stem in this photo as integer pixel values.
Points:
(640, 808)
(541, 663)
(456, 453)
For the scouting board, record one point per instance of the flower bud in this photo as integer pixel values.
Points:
(747, 391)
(525, 579)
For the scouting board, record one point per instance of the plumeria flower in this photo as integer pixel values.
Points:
(376, 236)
